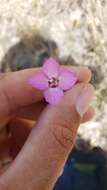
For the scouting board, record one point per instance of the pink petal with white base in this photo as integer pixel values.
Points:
(53, 95)
(67, 79)
(39, 81)
(51, 68)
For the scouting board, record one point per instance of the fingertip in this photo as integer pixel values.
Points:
(85, 74)
(88, 115)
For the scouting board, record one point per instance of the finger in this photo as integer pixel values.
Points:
(88, 115)
(3, 134)
(19, 129)
(5, 148)
(32, 112)
(83, 73)
(50, 142)
(15, 90)
(5, 142)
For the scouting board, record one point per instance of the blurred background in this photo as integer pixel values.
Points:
(72, 31)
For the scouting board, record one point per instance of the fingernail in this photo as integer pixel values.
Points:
(84, 99)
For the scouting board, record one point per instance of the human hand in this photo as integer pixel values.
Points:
(49, 141)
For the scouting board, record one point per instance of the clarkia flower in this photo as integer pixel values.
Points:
(53, 80)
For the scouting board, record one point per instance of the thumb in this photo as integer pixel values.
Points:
(39, 163)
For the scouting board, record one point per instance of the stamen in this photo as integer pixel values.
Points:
(53, 82)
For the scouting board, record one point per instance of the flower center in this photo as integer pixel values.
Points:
(53, 82)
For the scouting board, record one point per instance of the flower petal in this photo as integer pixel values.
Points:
(51, 67)
(53, 95)
(39, 81)
(67, 79)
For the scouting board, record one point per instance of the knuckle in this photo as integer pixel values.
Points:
(64, 135)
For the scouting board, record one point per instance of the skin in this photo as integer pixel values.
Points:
(41, 135)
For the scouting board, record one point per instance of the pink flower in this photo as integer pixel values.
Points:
(53, 80)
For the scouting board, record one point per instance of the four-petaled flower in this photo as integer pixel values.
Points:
(53, 80)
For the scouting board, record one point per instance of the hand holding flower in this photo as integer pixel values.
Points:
(43, 147)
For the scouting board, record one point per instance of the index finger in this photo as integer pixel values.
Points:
(15, 91)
